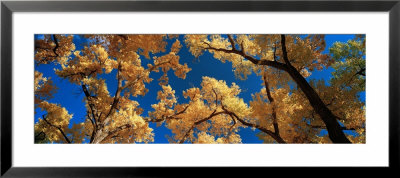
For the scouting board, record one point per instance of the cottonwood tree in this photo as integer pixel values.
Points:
(288, 60)
(112, 117)
(348, 82)
(214, 114)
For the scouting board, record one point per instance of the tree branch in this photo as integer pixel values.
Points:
(59, 129)
(324, 127)
(274, 64)
(110, 134)
(53, 50)
(56, 47)
(216, 98)
(169, 117)
(186, 134)
(275, 52)
(270, 133)
(116, 97)
(232, 42)
(361, 72)
(230, 129)
(40, 133)
(284, 51)
(199, 122)
(94, 128)
(272, 101)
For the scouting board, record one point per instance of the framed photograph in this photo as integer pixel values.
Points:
(141, 88)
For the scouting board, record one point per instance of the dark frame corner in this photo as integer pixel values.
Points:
(8, 7)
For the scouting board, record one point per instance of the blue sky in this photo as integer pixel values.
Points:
(71, 97)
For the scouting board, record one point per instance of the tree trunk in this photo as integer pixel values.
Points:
(334, 129)
(279, 139)
(99, 136)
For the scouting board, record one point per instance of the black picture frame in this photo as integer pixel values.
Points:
(8, 7)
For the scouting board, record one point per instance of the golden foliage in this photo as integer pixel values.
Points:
(202, 119)
(110, 117)
(214, 112)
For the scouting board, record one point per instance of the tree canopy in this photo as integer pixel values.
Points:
(114, 71)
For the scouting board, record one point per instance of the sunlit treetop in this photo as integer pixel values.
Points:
(206, 117)
(111, 117)
(291, 107)
(350, 69)
(285, 61)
